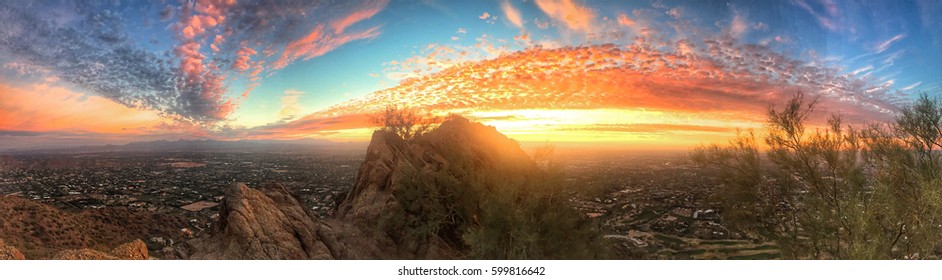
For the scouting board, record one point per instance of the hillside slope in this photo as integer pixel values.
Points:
(39, 231)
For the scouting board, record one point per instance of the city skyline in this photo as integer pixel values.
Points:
(647, 74)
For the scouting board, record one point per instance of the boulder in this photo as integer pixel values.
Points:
(9, 252)
(134, 250)
(267, 223)
(83, 254)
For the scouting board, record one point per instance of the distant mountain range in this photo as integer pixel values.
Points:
(198, 146)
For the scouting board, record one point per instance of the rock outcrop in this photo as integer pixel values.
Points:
(9, 252)
(269, 223)
(265, 223)
(134, 250)
(374, 194)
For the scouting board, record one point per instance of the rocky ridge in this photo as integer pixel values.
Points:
(268, 223)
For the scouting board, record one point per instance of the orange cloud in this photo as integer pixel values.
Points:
(243, 59)
(536, 93)
(512, 14)
(656, 128)
(574, 16)
(624, 20)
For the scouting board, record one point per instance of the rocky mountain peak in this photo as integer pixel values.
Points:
(376, 219)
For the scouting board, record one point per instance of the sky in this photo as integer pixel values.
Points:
(623, 73)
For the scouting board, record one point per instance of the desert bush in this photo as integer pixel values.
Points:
(838, 192)
(405, 122)
(743, 194)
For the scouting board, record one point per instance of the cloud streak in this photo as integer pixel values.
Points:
(826, 13)
(511, 13)
(885, 45)
(324, 38)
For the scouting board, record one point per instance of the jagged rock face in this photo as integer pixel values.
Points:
(262, 224)
(371, 197)
(134, 250)
(9, 253)
(373, 194)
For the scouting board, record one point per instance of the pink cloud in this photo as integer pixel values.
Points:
(676, 12)
(363, 12)
(317, 43)
(738, 27)
(324, 38)
(191, 60)
(243, 59)
(204, 84)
